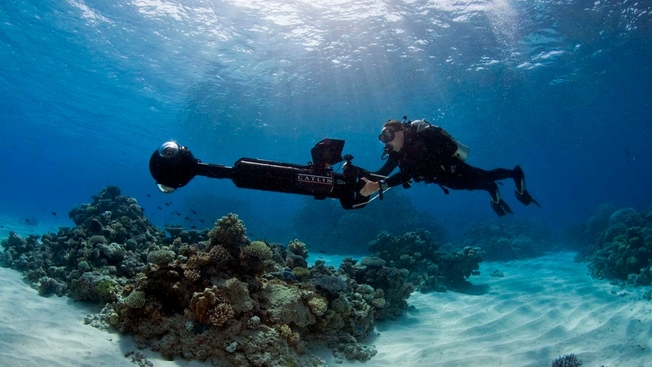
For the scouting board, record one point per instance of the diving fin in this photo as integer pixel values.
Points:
(521, 193)
(500, 207)
(525, 198)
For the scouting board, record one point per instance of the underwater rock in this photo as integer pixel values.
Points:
(286, 306)
(94, 287)
(497, 274)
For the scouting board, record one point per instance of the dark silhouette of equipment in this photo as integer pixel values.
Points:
(173, 166)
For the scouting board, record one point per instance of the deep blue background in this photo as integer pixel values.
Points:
(89, 89)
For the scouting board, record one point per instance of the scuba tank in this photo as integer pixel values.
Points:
(462, 151)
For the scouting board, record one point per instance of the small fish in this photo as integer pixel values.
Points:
(148, 195)
(186, 218)
(167, 204)
(54, 213)
(201, 221)
(159, 208)
(193, 227)
(193, 212)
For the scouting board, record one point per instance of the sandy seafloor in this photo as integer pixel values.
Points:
(542, 308)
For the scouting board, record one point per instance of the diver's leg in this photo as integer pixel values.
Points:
(467, 177)
(521, 193)
(519, 179)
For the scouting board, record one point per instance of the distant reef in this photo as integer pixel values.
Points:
(215, 295)
(617, 244)
(505, 241)
(426, 265)
(323, 225)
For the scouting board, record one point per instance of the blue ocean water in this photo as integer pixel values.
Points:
(89, 89)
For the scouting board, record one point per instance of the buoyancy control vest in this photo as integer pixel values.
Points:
(442, 138)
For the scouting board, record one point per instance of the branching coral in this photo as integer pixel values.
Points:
(569, 360)
(297, 254)
(199, 260)
(258, 249)
(255, 256)
(220, 256)
(192, 274)
(318, 305)
(220, 314)
(229, 231)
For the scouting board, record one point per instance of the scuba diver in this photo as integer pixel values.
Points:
(427, 153)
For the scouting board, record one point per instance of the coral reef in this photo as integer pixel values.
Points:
(323, 225)
(508, 241)
(582, 235)
(209, 295)
(108, 246)
(429, 268)
(623, 248)
(569, 360)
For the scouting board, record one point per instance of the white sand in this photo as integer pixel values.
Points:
(541, 309)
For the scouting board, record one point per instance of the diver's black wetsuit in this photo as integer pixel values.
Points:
(428, 156)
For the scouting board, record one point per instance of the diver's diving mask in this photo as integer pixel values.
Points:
(387, 135)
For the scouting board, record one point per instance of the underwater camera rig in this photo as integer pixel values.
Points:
(173, 166)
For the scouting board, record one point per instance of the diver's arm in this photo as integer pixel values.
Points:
(372, 186)
(388, 167)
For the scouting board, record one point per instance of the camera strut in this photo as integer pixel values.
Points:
(173, 166)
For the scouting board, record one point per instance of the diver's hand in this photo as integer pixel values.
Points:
(369, 187)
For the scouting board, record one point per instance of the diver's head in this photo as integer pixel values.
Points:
(392, 135)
